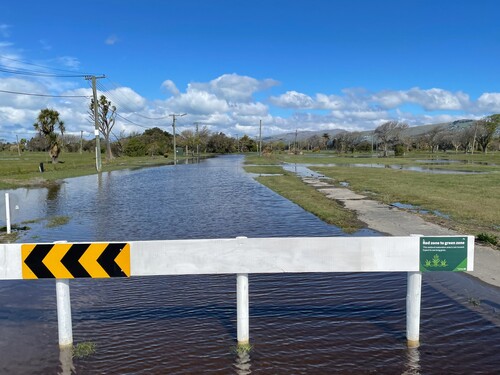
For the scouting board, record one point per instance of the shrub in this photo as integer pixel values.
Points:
(399, 150)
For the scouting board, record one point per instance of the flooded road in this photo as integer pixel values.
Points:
(341, 323)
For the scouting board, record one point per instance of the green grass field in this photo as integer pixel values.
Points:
(471, 201)
(23, 170)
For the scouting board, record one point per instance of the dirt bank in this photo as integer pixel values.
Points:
(396, 222)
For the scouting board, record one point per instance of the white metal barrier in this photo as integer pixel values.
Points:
(240, 256)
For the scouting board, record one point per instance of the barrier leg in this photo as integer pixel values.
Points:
(242, 309)
(7, 212)
(413, 298)
(64, 325)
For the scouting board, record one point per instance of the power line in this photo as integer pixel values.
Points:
(27, 72)
(130, 121)
(116, 99)
(44, 95)
(33, 64)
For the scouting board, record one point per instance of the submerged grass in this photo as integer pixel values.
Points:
(57, 221)
(242, 348)
(264, 169)
(16, 171)
(84, 349)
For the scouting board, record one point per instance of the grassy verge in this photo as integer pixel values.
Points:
(266, 159)
(16, 171)
(292, 188)
(471, 201)
(264, 169)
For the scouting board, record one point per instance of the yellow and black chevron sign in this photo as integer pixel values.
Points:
(67, 260)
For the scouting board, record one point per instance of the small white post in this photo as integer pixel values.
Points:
(242, 309)
(413, 299)
(7, 212)
(64, 325)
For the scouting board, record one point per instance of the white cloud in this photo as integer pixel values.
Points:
(22, 101)
(292, 99)
(69, 62)
(431, 99)
(249, 109)
(438, 99)
(197, 102)
(332, 102)
(489, 101)
(125, 99)
(170, 87)
(233, 87)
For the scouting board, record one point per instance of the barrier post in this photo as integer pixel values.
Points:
(7, 213)
(64, 324)
(413, 299)
(242, 309)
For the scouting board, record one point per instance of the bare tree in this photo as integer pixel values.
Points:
(467, 139)
(352, 139)
(340, 142)
(326, 138)
(389, 133)
(187, 139)
(486, 129)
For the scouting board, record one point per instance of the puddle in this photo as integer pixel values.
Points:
(265, 174)
(301, 170)
(344, 184)
(413, 208)
(448, 161)
(439, 161)
(412, 168)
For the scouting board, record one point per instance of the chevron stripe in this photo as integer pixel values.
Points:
(71, 260)
(66, 260)
(33, 256)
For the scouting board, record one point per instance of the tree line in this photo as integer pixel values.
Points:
(389, 137)
(394, 137)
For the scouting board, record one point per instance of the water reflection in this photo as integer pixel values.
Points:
(304, 171)
(413, 362)
(66, 361)
(242, 363)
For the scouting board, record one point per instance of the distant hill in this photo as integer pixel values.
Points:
(302, 135)
(413, 131)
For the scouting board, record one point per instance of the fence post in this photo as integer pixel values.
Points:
(242, 309)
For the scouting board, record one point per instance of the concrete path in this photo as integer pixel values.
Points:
(396, 222)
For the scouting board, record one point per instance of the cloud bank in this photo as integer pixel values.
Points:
(228, 104)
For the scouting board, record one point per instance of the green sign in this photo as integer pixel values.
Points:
(443, 253)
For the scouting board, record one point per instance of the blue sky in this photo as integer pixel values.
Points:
(307, 65)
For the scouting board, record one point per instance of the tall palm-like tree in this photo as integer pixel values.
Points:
(106, 119)
(47, 121)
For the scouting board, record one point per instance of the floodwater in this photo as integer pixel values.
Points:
(414, 168)
(338, 323)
